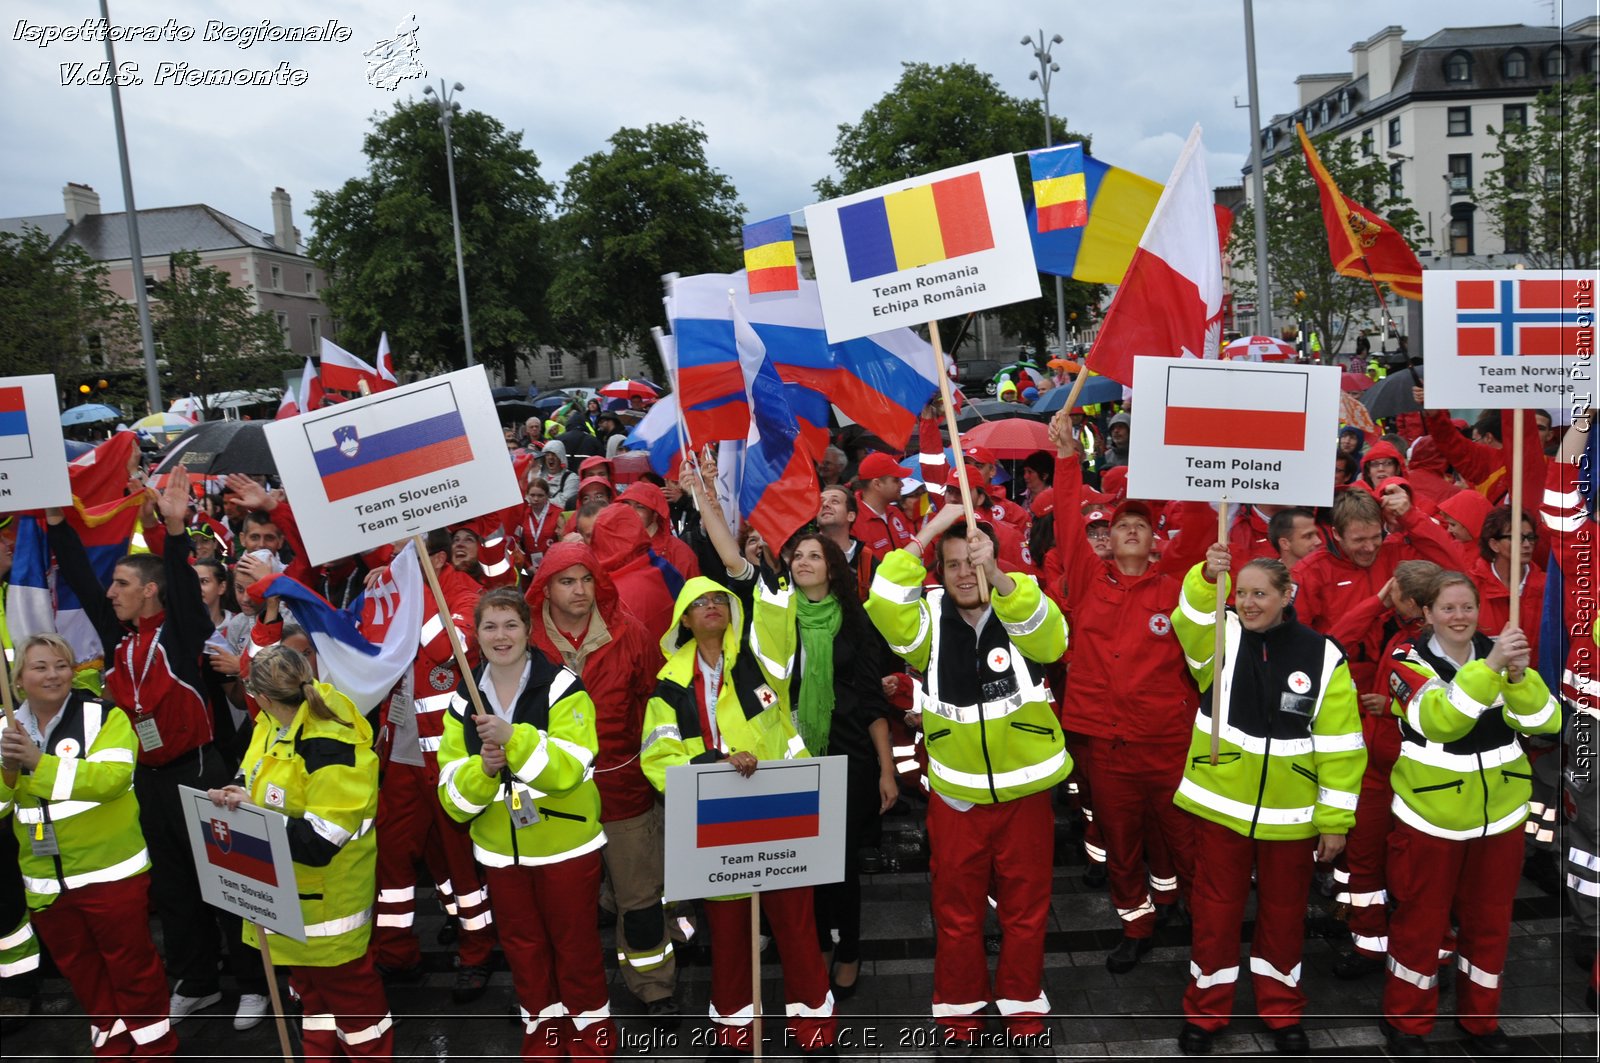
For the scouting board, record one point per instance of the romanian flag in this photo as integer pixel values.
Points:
(1095, 243)
(775, 804)
(384, 443)
(915, 226)
(1360, 243)
(769, 260)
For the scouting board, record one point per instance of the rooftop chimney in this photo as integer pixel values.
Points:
(1384, 51)
(80, 201)
(283, 232)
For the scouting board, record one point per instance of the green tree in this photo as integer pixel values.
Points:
(1541, 201)
(211, 334)
(57, 313)
(388, 243)
(941, 116)
(1304, 285)
(650, 204)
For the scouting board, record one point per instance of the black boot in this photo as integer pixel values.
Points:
(1125, 957)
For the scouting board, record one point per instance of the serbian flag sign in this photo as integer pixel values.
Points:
(1236, 431)
(770, 806)
(1509, 339)
(229, 848)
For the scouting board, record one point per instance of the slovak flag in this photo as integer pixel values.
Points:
(1214, 408)
(343, 371)
(241, 851)
(777, 803)
(383, 443)
(1510, 315)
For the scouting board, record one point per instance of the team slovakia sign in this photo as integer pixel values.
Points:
(1509, 338)
(1251, 433)
(243, 862)
(933, 246)
(782, 827)
(33, 465)
(378, 469)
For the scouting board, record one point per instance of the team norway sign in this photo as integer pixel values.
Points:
(1257, 434)
(1509, 338)
(917, 250)
(381, 468)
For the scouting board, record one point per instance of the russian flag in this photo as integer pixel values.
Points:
(1235, 408)
(710, 386)
(239, 851)
(778, 492)
(389, 441)
(14, 440)
(777, 803)
(657, 435)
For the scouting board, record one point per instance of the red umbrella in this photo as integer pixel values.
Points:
(1014, 437)
(628, 389)
(1259, 349)
(1356, 382)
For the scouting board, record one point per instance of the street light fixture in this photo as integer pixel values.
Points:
(445, 100)
(1047, 68)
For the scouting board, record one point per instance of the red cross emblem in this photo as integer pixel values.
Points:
(999, 660)
(1299, 682)
(766, 696)
(1159, 624)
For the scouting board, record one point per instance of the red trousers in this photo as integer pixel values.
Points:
(346, 1014)
(1004, 850)
(100, 939)
(547, 917)
(1360, 870)
(1222, 865)
(1133, 784)
(412, 825)
(809, 1009)
(1079, 786)
(1430, 878)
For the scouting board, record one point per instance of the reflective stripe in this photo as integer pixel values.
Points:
(667, 731)
(66, 773)
(1365, 900)
(448, 777)
(1095, 853)
(1564, 524)
(1039, 1005)
(573, 750)
(1226, 976)
(114, 755)
(115, 873)
(477, 896)
(1558, 499)
(361, 1037)
(1583, 885)
(1266, 970)
(331, 833)
(476, 922)
(1406, 974)
(1276, 817)
(559, 686)
(1465, 703)
(1194, 614)
(795, 748)
(1163, 885)
(397, 896)
(1581, 684)
(951, 1011)
(432, 628)
(531, 1023)
(1366, 944)
(143, 1035)
(1539, 718)
(1414, 706)
(923, 626)
(17, 936)
(1249, 743)
(535, 763)
(1574, 854)
(891, 591)
(435, 703)
(499, 568)
(430, 744)
(1433, 755)
(1129, 915)
(1347, 743)
(384, 919)
(584, 1019)
(335, 927)
(1405, 814)
(644, 961)
(742, 1017)
(490, 858)
(801, 1011)
(59, 810)
(1477, 974)
(1194, 664)
(1028, 693)
(1336, 798)
(1341, 876)
(1002, 780)
(30, 962)
(1030, 625)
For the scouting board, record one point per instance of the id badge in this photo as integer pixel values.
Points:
(149, 734)
(43, 840)
(519, 803)
(402, 701)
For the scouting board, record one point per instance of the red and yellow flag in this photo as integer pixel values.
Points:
(1360, 243)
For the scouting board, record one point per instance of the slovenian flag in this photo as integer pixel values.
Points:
(230, 849)
(915, 226)
(14, 441)
(769, 258)
(777, 803)
(389, 441)
(1235, 408)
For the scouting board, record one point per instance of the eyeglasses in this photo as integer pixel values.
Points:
(1527, 537)
(709, 599)
(1101, 532)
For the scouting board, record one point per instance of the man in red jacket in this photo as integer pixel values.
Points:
(579, 621)
(880, 525)
(650, 503)
(647, 583)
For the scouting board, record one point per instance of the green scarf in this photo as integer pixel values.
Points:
(819, 627)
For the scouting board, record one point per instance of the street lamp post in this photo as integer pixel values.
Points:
(445, 100)
(1047, 67)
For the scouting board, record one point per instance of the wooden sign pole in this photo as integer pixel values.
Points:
(755, 973)
(1218, 651)
(955, 444)
(456, 649)
(272, 990)
(1514, 577)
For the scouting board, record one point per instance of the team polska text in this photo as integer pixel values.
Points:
(97, 31)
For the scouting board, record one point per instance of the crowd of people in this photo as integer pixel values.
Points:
(1372, 710)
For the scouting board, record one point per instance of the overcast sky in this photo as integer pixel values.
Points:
(770, 81)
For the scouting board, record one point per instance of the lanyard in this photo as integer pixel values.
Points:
(711, 677)
(150, 656)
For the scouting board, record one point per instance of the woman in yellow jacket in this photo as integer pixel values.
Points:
(311, 759)
(68, 776)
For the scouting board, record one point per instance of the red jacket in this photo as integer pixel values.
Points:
(1486, 467)
(623, 550)
(1494, 601)
(1247, 539)
(879, 535)
(1573, 543)
(618, 664)
(434, 676)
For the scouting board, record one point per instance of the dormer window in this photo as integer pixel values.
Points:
(1554, 62)
(1515, 65)
(1458, 67)
(1323, 117)
(1344, 103)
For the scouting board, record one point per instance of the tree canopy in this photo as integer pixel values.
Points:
(650, 204)
(57, 314)
(387, 242)
(212, 336)
(1304, 285)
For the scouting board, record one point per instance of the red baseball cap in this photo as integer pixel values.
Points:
(981, 455)
(875, 465)
(1044, 503)
(1134, 508)
(1089, 494)
(1096, 516)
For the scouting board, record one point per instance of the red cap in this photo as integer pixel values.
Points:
(1045, 503)
(875, 465)
(1089, 494)
(976, 479)
(981, 455)
(1096, 516)
(596, 481)
(1134, 508)
(591, 462)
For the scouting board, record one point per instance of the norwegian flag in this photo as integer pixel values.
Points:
(1520, 317)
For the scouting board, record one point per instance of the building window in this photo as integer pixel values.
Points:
(591, 363)
(277, 279)
(1514, 65)
(1272, 138)
(1514, 116)
(1591, 62)
(1516, 236)
(1555, 62)
(1309, 120)
(1394, 132)
(1458, 67)
(1461, 229)
(1459, 121)
(311, 282)
(1344, 103)
(1366, 143)
(558, 369)
(1396, 182)
(316, 328)
(1323, 117)
(1460, 174)
(283, 323)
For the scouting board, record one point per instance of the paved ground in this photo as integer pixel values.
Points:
(1096, 1013)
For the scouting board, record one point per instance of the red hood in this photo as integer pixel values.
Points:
(1469, 508)
(559, 558)
(652, 498)
(1382, 449)
(619, 538)
(1425, 457)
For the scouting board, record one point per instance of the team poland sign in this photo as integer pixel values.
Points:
(1509, 338)
(1240, 431)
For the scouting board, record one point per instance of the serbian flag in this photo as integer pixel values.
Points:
(343, 371)
(778, 491)
(383, 443)
(777, 803)
(1211, 408)
(1170, 301)
(769, 258)
(287, 406)
(240, 851)
(1360, 243)
(386, 375)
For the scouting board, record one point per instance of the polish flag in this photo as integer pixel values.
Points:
(310, 393)
(343, 371)
(386, 374)
(287, 406)
(1170, 300)
(1236, 409)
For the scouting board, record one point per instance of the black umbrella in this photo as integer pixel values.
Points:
(994, 410)
(219, 447)
(1392, 395)
(517, 410)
